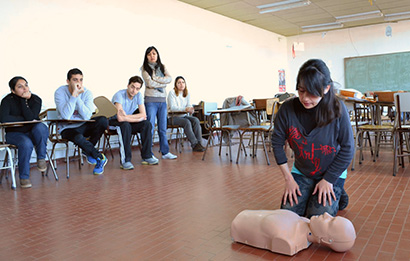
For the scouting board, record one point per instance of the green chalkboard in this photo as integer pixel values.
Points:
(378, 72)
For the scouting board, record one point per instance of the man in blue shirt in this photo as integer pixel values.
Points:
(131, 118)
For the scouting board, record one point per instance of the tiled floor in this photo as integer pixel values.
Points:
(182, 210)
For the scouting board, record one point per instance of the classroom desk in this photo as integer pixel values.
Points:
(376, 107)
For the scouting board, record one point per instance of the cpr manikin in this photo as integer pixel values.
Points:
(285, 232)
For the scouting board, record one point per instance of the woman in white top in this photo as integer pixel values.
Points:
(179, 100)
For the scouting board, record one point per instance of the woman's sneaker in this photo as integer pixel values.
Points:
(169, 155)
(198, 148)
(99, 167)
(150, 161)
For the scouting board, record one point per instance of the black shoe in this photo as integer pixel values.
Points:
(198, 147)
(344, 200)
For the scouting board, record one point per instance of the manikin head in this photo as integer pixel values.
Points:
(337, 233)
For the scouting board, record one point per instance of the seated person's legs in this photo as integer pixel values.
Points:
(39, 136)
(186, 124)
(77, 136)
(25, 149)
(145, 128)
(306, 187)
(314, 208)
(94, 130)
(196, 127)
(124, 137)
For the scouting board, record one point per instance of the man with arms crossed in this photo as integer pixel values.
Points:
(131, 119)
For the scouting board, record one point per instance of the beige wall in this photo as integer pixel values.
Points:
(219, 57)
(334, 46)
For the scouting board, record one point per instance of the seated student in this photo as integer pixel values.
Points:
(179, 100)
(22, 105)
(75, 102)
(130, 119)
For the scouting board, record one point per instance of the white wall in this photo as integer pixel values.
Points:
(219, 57)
(334, 46)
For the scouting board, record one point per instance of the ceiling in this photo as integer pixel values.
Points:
(288, 22)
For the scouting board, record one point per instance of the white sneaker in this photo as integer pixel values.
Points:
(153, 156)
(169, 155)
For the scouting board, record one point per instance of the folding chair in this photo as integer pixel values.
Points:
(401, 130)
(259, 131)
(212, 124)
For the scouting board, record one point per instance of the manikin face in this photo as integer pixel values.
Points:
(152, 56)
(76, 81)
(180, 85)
(336, 232)
(133, 88)
(21, 88)
(320, 224)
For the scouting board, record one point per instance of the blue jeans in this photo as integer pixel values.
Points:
(308, 204)
(25, 141)
(159, 110)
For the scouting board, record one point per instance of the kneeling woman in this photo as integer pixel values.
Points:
(317, 127)
(179, 100)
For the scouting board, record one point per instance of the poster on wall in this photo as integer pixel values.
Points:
(282, 81)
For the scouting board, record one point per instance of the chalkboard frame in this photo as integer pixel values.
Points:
(380, 72)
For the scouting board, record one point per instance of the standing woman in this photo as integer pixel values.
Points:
(179, 100)
(156, 78)
(317, 127)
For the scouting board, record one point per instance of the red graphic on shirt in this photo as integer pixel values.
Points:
(302, 150)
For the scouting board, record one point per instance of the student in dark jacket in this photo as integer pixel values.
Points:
(317, 127)
(22, 105)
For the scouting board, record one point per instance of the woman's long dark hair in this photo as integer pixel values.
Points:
(315, 76)
(159, 65)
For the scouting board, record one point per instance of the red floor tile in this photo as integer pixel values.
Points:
(182, 210)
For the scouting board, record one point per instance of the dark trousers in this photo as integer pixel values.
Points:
(90, 130)
(126, 129)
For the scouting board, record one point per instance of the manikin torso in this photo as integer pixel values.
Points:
(281, 231)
